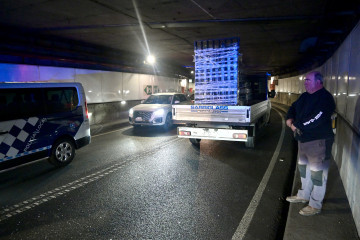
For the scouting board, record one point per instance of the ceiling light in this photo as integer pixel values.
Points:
(150, 59)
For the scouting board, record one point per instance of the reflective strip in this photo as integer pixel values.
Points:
(25, 153)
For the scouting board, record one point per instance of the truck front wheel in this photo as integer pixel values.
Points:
(168, 122)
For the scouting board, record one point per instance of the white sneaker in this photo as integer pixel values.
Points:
(309, 211)
(296, 199)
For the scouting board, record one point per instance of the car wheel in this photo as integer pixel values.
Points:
(168, 122)
(62, 152)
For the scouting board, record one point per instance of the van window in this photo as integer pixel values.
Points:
(29, 102)
(60, 99)
(20, 103)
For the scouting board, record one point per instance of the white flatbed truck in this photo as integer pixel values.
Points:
(228, 105)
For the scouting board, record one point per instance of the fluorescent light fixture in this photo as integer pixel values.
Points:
(183, 82)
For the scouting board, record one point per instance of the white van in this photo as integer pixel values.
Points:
(42, 120)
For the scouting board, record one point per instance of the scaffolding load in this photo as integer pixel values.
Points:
(216, 71)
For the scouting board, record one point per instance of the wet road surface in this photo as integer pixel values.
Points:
(149, 184)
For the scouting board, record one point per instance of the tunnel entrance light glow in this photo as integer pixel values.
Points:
(216, 71)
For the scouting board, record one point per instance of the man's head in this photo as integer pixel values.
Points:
(313, 82)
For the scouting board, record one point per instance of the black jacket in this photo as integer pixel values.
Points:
(312, 115)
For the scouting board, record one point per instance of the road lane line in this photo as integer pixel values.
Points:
(250, 211)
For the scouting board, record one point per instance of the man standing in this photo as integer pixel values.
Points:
(309, 118)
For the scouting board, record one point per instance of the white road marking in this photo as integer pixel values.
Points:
(250, 211)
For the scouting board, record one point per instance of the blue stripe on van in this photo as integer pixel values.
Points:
(25, 153)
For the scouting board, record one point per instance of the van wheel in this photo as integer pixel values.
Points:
(168, 122)
(62, 152)
(195, 141)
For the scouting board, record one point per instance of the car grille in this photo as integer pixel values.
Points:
(144, 115)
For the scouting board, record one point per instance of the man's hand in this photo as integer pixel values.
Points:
(289, 122)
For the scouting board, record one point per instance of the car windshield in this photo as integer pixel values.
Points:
(158, 99)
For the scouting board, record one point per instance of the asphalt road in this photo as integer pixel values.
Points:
(149, 184)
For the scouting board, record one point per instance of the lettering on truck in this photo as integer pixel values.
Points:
(216, 109)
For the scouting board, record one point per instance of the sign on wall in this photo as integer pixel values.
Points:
(148, 89)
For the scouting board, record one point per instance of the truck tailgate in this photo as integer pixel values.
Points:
(211, 113)
(217, 113)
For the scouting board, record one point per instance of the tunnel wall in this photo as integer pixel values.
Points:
(110, 112)
(342, 78)
(109, 94)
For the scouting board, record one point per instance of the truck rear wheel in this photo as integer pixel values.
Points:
(195, 141)
(250, 143)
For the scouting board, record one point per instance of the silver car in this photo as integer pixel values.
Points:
(156, 110)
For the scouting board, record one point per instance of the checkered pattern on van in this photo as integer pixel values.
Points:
(15, 141)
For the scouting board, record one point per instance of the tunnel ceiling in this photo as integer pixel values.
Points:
(281, 37)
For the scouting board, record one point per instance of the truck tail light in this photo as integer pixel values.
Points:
(239, 135)
(185, 133)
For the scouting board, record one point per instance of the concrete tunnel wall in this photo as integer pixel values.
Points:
(342, 79)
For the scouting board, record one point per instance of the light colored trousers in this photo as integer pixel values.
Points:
(313, 163)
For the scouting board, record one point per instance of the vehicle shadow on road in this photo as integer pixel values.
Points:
(149, 131)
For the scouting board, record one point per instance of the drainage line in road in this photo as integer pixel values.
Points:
(250, 211)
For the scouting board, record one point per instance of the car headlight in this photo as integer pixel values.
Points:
(131, 112)
(158, 113)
